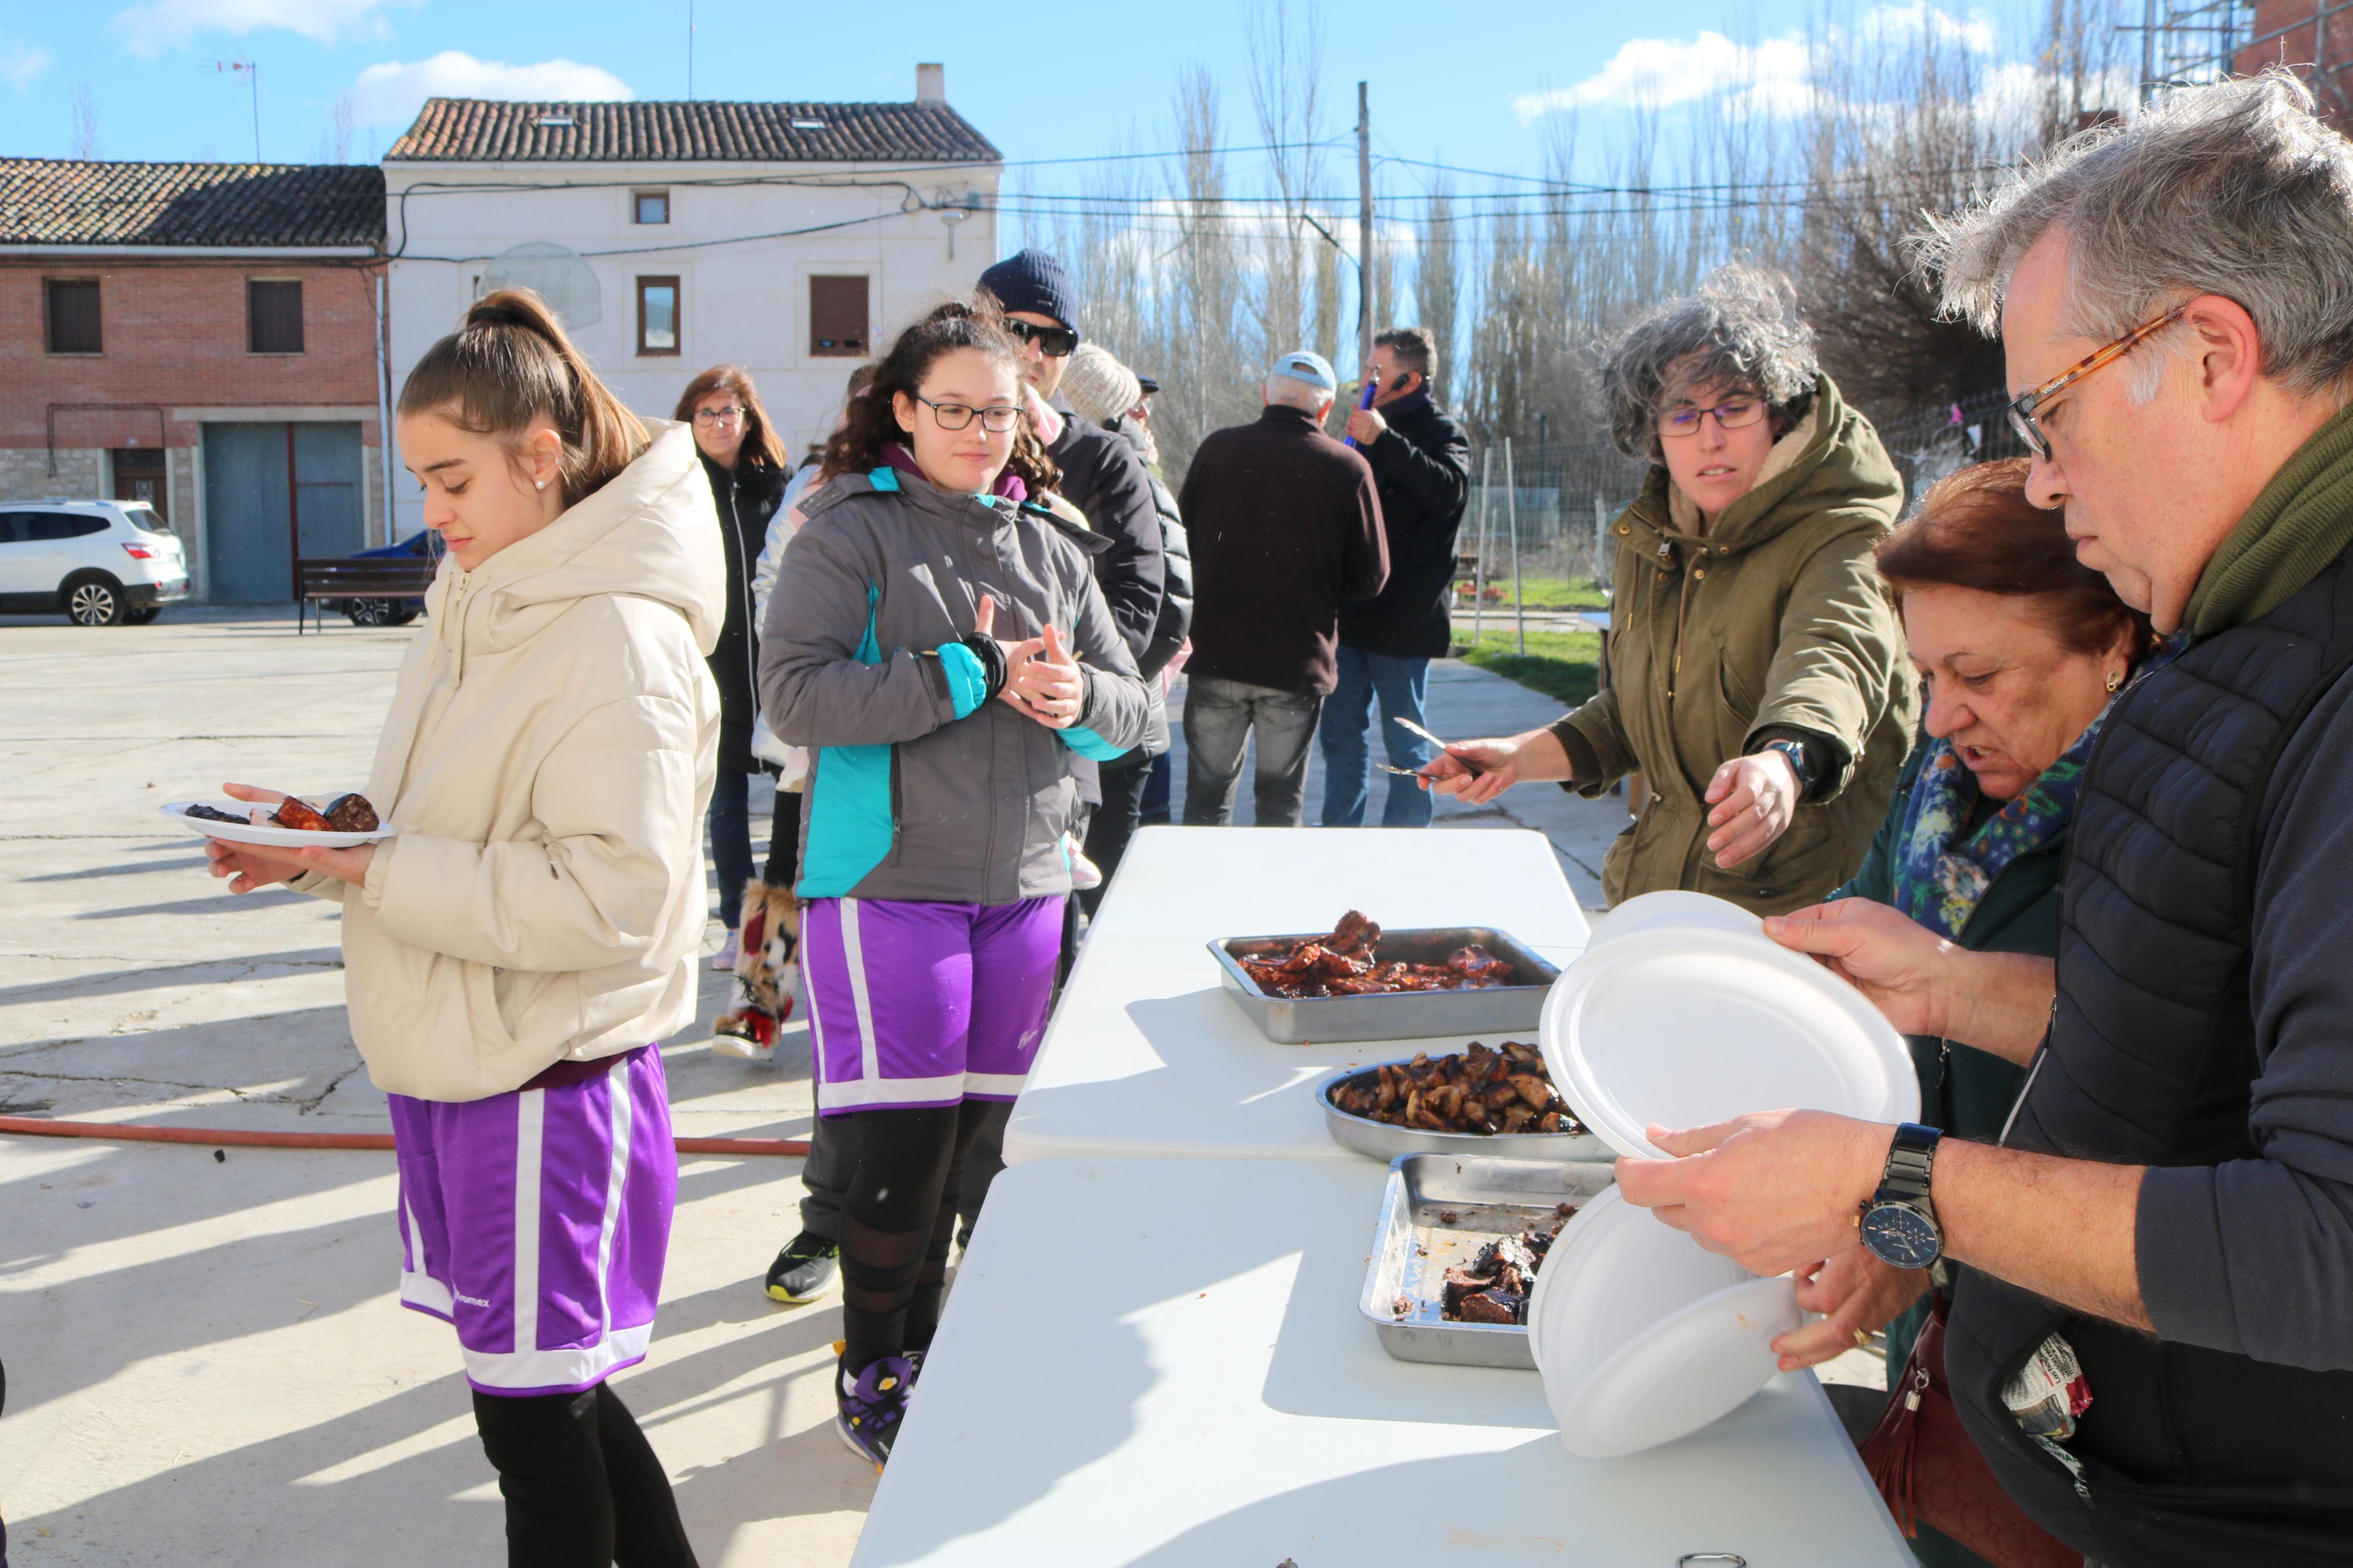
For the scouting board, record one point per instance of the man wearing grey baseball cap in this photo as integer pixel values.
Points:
(1285, 525)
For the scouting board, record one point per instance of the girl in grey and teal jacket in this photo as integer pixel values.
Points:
(937, 641)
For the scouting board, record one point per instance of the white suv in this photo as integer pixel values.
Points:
(103, 562)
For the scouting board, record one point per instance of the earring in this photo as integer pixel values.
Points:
(2116, 679)
(541, 484)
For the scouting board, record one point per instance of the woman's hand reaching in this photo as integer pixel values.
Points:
(1755, 797)
(1476, 771)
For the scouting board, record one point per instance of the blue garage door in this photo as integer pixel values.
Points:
(265, 484)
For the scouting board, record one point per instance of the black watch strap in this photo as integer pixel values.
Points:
(1910, 1160)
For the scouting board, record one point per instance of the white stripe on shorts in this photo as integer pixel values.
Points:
(559, 1368)
(859, 1093)
(530, 1132)
(623, 1115)
(853, 957)
(994, 1082)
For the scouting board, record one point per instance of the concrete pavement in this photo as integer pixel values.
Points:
(207, 1364)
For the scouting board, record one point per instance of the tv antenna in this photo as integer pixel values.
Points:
(253, 83)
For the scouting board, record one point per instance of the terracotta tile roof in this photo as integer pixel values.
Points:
(73, 201)
(474, 130)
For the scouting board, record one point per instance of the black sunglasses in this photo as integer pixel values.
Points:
(1054, 342)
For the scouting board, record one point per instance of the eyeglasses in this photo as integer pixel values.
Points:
(1054, 342)
(2022, 410)
(1732, 414)
(996, 420)
(727, 415)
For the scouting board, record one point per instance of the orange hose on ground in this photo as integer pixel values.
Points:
(225, 1137)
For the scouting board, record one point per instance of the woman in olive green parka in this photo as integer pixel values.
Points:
(1758, 676)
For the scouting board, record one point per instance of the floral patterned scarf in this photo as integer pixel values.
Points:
(1942, 869)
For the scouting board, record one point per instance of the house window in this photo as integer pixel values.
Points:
(838, 318)
(657, 315)
(73, 315)
(273, 317)
(651, 206)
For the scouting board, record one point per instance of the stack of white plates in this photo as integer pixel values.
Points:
(1681, 1013)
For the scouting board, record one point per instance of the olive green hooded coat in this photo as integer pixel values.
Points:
(1774, 619)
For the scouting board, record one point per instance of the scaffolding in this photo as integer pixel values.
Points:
(2184, 43)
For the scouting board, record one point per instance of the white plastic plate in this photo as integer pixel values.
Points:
(1683, 1026)
(259, 833)
(1674, 907)
(1642, 1337)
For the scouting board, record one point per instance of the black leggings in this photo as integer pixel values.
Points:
(784, 863)
(583, 1487)
(895, 1228)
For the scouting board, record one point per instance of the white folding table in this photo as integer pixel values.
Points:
(1149, 1055)
(1159, 1364)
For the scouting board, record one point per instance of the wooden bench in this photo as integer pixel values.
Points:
(370, 577)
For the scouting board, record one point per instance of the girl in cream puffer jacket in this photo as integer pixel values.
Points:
(515, 951)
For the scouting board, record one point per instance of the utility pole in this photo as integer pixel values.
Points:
(1365, 327)
(2148, 51)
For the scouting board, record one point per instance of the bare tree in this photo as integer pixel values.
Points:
(83, 105)
(1286, 74)
(1438, 283)
(336, 139)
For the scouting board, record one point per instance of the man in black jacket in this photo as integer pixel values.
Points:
(1422, 461)
(2148, 1336)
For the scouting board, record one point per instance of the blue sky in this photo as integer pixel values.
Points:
(1470, 82)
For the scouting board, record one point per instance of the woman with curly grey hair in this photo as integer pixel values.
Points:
(1758, 681)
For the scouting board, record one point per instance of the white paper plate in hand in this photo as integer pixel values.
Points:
(1686, 1026)
(263, 833)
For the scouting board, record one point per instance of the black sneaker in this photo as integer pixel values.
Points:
(805, 1269)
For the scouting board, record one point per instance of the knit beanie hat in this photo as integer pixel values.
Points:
(1033, 280)
(1097, 386)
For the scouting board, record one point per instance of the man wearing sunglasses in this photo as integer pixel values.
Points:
(2150, 1338)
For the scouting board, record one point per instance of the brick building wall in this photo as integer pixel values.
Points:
(174, 355)
(2316, 46)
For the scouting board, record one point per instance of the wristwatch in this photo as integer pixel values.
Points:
(1801, 765)
(1899, 1221)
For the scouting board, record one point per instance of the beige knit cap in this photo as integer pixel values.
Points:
(1098, 386)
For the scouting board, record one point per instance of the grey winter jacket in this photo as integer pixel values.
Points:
(906, 800)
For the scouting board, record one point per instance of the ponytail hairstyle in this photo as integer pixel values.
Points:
(512, 363)
(860, 380)
(872, 423)
(761, 449)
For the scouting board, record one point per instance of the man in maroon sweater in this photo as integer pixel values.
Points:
(1286, 523)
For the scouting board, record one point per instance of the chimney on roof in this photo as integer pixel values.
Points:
(931, 84)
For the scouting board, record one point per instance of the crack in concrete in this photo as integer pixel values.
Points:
(313, 1104)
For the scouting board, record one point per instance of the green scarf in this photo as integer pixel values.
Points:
(2302, 521)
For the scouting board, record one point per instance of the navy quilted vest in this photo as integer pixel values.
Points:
(2191, 1457)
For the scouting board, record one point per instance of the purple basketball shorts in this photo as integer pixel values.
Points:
(923, 1004)
(536, 1222)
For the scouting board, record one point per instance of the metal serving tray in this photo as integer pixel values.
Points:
(1384, 1142)
(1439, 1210)
(1396, 1015)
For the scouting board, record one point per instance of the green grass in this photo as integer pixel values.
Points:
(1540, 593)
(1564, 666)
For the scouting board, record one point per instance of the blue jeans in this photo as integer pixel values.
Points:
(731, 841)
(1402, 685)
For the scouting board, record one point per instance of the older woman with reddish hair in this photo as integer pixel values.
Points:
(2021, 650)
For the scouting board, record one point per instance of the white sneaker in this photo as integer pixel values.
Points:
(1084, 873)
(724, 959)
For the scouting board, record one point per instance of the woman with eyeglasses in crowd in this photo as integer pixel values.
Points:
(936, 638)
(747, 467)
(1758, 680)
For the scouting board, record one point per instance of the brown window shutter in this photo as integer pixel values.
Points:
(838, 318)
(273, 317)
(73, 316)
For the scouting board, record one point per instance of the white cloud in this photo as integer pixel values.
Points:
(1772, 74)
(20, 63)
(151, 28)
(391, 92)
